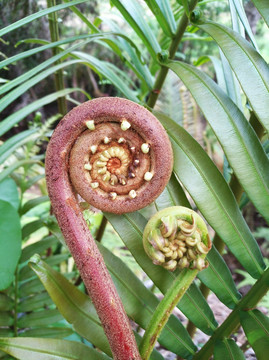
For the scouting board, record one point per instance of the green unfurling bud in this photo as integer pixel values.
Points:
(201, 247)
(187, 228)
(168, 226)
(170, 265)
(177, 237)
(156, 256)
(156, 239)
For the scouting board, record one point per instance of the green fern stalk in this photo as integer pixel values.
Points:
(59, 80)
(163, 311)
(172, 51)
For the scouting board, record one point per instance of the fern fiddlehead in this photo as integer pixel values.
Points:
(116, 156)
(176, 237)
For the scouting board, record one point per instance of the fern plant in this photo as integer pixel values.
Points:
(236, 109)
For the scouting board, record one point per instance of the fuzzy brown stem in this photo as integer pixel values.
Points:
(81, 243)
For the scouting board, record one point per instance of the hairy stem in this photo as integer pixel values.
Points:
(232, 322)
(98, 238)
(172, 51)
(91, 135)
(163, 311)
(59, 80)
(77, 235)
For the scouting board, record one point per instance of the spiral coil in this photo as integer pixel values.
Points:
(122, 159)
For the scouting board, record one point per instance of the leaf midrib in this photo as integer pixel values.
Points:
(251, 313)
(228, 349)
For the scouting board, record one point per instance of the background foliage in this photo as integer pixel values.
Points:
(207, 81)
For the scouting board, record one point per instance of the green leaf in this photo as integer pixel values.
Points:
(10, 243)
(212, 196)
(127, 45)
(232, 87)
(236, 22)
(164, 15)
(48, 45)
(17, 164)
(217, 67)
(40, 318)
(37, 15)
(48, 349)
(35, 302)
(38, 247)
(16, 117)
(6, 319)
(248, 65)
(32, 203)
(174, 99)
(29, 74)
(218, 278)
(107, 70)
(228, 350)
(238, 139)
(26, 272)
(140, 304)
(91, 26)
(7, 148)
(13, 95)
(176, 192)
(48, 332)
(6, 303)
(31, 227)
(130, 228)
(133, 14)
(30, 182)
(34, 286)
(256, 328)
(124, 48)
(262, 7)
(74, 305)
(172, 195)
(244, 20)
(5, 332)
(9, 192)
(31, 287)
